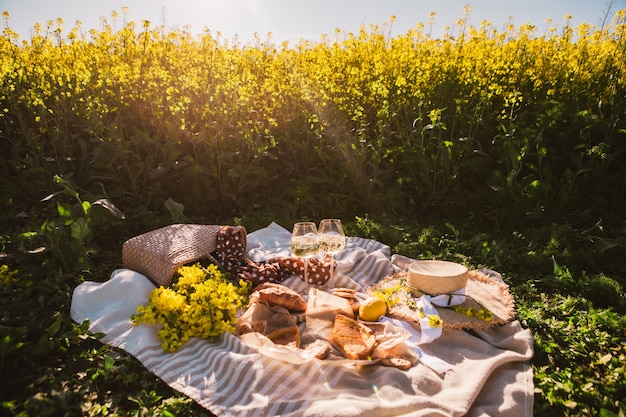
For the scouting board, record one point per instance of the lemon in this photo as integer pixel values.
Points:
(372, 309)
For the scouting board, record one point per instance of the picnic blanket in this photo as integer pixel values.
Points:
(483, 372)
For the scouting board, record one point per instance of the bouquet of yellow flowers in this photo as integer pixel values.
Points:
(201, 303)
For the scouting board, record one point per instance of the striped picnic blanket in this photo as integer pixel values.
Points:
(484, 372)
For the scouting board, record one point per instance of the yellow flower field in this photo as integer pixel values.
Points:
(367, 110)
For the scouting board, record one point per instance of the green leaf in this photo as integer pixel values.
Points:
(103, 202)
(64, 211)
(108, 363)
(233, 173)
(556, 268)
(6, 345)
(604, 244)
(607, 413)
(80, 230)
(54, 328)
(176, 210)
(86, 207)
(50, 197)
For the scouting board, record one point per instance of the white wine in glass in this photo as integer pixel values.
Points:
(332, 240)
(304, 244)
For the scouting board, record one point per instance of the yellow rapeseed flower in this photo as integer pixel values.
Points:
(434, 321)
(201, 303)
(7, 276)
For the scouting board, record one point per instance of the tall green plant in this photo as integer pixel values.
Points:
(68, 237)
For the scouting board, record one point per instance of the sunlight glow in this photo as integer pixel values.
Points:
(292, 21)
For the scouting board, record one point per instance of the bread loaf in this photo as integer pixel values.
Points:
(277, 294)
(353, 339)
(285, 336)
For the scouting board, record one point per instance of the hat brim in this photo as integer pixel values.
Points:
(482, 291)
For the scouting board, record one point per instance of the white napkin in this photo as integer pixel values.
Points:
(436, 364)
(426, 303)
(110, 304)
(269, 242)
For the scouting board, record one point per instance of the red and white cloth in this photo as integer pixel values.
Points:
(231, 253)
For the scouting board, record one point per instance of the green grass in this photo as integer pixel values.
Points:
(52, 366)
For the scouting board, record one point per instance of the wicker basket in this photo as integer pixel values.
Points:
(483, 289)
(158, 254)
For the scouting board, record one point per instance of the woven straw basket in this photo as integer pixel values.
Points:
(158, 254)
(484, 289)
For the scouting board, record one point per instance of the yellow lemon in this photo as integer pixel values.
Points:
(372, 309)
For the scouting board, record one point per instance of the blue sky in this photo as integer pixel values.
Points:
(292, 20)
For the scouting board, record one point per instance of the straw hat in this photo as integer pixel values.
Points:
(484, 289)
(436, 277)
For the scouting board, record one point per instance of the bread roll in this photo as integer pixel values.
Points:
(277, 294)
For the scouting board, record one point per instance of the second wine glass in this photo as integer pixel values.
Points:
(332, 240)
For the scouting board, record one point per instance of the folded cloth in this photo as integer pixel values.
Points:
(231, 252)
(433, 362)
(268, 243)
(489, 371)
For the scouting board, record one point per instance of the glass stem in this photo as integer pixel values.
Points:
(332, 273)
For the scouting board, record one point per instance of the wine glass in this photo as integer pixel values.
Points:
(331, 240)
(304, 244)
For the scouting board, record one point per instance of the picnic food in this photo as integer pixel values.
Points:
(275, 322)
(353, 339)
(347, 293)
(372, 309)
(320, 348)
(397, 362)
(277, 294)
(350, 295)
(286, 336)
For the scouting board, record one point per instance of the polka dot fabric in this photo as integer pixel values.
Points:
(230, 252)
